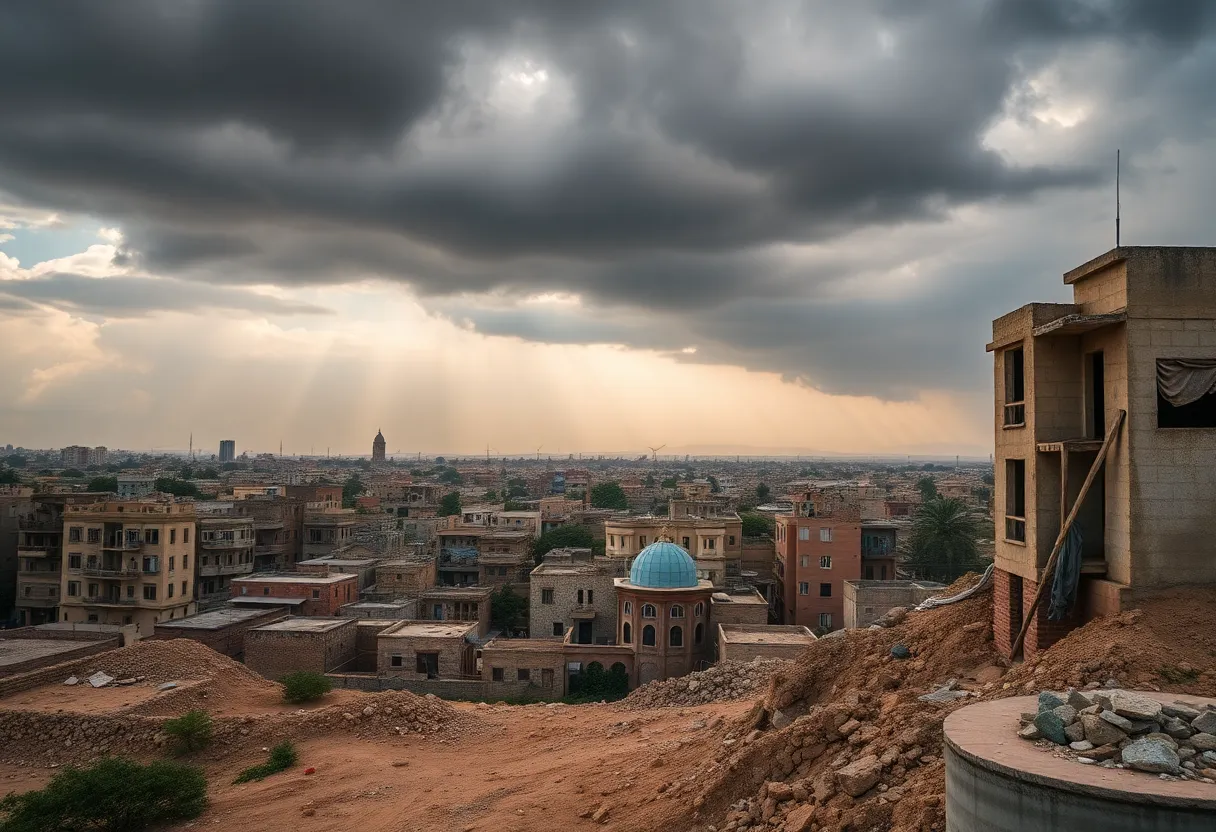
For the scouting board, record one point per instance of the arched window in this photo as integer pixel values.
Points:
(676, 636)
(698, 634)
(648, 611)
(648, 635)
(627, 633)
(677, 611)
(699, 609)
(628, 608)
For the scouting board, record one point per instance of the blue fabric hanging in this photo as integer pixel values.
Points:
(1067, 576)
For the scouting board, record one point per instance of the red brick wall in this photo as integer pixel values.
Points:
(332, 596)
(1006, 619)
(845, 551)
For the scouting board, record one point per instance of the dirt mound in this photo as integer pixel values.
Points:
(725, 682)
(844, 739)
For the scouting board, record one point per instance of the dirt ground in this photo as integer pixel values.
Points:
(519, 768)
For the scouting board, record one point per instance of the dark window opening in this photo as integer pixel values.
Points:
(825, 590)
(1186, 393)
(428, 663)
(1015, 387)
(1015, 500)
(648, 635)
(1097, 397)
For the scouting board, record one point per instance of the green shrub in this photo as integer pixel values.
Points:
(305, 686)
(190, 731)
(113, 795)
(282, 757)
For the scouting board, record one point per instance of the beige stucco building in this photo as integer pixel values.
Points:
(712, 535)
(128, 562)
(1139, 337)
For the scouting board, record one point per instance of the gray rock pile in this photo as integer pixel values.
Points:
(724, 682)
(1124, 729)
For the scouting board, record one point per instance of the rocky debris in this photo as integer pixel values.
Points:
(100, 680)
(724, 682)
(859, 776)
(1123, 729)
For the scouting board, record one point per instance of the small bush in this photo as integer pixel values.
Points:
(113, 795)
(190, 731)
(305, 686)
(282, 757)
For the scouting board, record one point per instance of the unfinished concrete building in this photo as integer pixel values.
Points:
(328, 529)
(278, 526)
(225, 551)
(867, 601)
(427, 650)
(744, 643)
(1138, 339)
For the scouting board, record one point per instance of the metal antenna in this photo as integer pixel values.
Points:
(1117, 206)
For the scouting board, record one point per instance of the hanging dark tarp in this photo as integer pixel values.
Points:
(1182, 381)
(1067, 576)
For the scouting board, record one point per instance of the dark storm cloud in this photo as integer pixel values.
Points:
(135, 297)
(675, 153)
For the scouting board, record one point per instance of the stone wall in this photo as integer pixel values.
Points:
(229, 640)
(466, 689)
(275, 653)
(86, 649)
(455, 656)
(404, 579)
(565, 608)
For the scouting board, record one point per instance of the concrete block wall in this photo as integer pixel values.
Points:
(275, 653)
(454, 656)
(458, 689)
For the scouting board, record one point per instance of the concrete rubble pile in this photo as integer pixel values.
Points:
(725, 682)
(1117, 728)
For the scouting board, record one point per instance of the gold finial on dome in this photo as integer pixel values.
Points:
(665, 534)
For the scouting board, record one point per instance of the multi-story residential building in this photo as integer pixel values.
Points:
(879, 539)
(1138, 339)
(328, 529)
(132, 487)
(227, 450)
(278, 527)
(40, 555)
(225, 550)
(505, 557)
(15, 505)
(571, 589)
(79, 456)
(711, 534)
(818, 549)
(128, 562)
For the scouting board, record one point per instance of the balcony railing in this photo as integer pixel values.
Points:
(224, 544)
(1015, 528)
(35, 551)
(125, 545)
(225, 569)
(270, 550)
(107, 600)
(96, 572)
(37, 601)
(1015, 414)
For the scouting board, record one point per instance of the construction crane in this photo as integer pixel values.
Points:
(654, 452)
(538, 453)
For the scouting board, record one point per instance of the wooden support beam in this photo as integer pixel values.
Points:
(1049, 569)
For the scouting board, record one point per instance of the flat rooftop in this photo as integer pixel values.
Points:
(213, 619)
(750, 597)
(429, 629)
(766, 634)
(266, 601)
(567, 569)
(896, 584)
(356, 562)
(294, 578)
(14, 651)
(304, 625)
(460, 593)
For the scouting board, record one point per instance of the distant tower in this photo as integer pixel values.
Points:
(227, 450)
(378, 447)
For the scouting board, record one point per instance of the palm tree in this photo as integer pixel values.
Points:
(942, 545)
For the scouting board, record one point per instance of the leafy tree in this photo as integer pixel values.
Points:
(9, 477)
(593, 683)
(982, 494)
(570, 535)
(520, 481)
(449, 504)
(609, 495)
(670, 482)
(112, 795)
(714, 488)
(508, 609)
(231, 466)
(649, 481)
(517, 491)
(187, 473)
(440, 461)
(73, 473)
(688, 475)
(16, 461)
(927, 488)
(763, 492)
(176, 487)
(208, 474)
(513, 505)
(451, 476)
(103, 484)
(191, 731)
(490, 496)
(988, 479)
(305, 686)
(352, 489)
(757, 525)
(943, 545)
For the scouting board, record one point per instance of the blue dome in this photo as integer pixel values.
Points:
(663, 565)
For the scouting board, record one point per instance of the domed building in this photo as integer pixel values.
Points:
(663, 613)
(378, 447)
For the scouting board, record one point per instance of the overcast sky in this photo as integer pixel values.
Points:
(716, 224)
